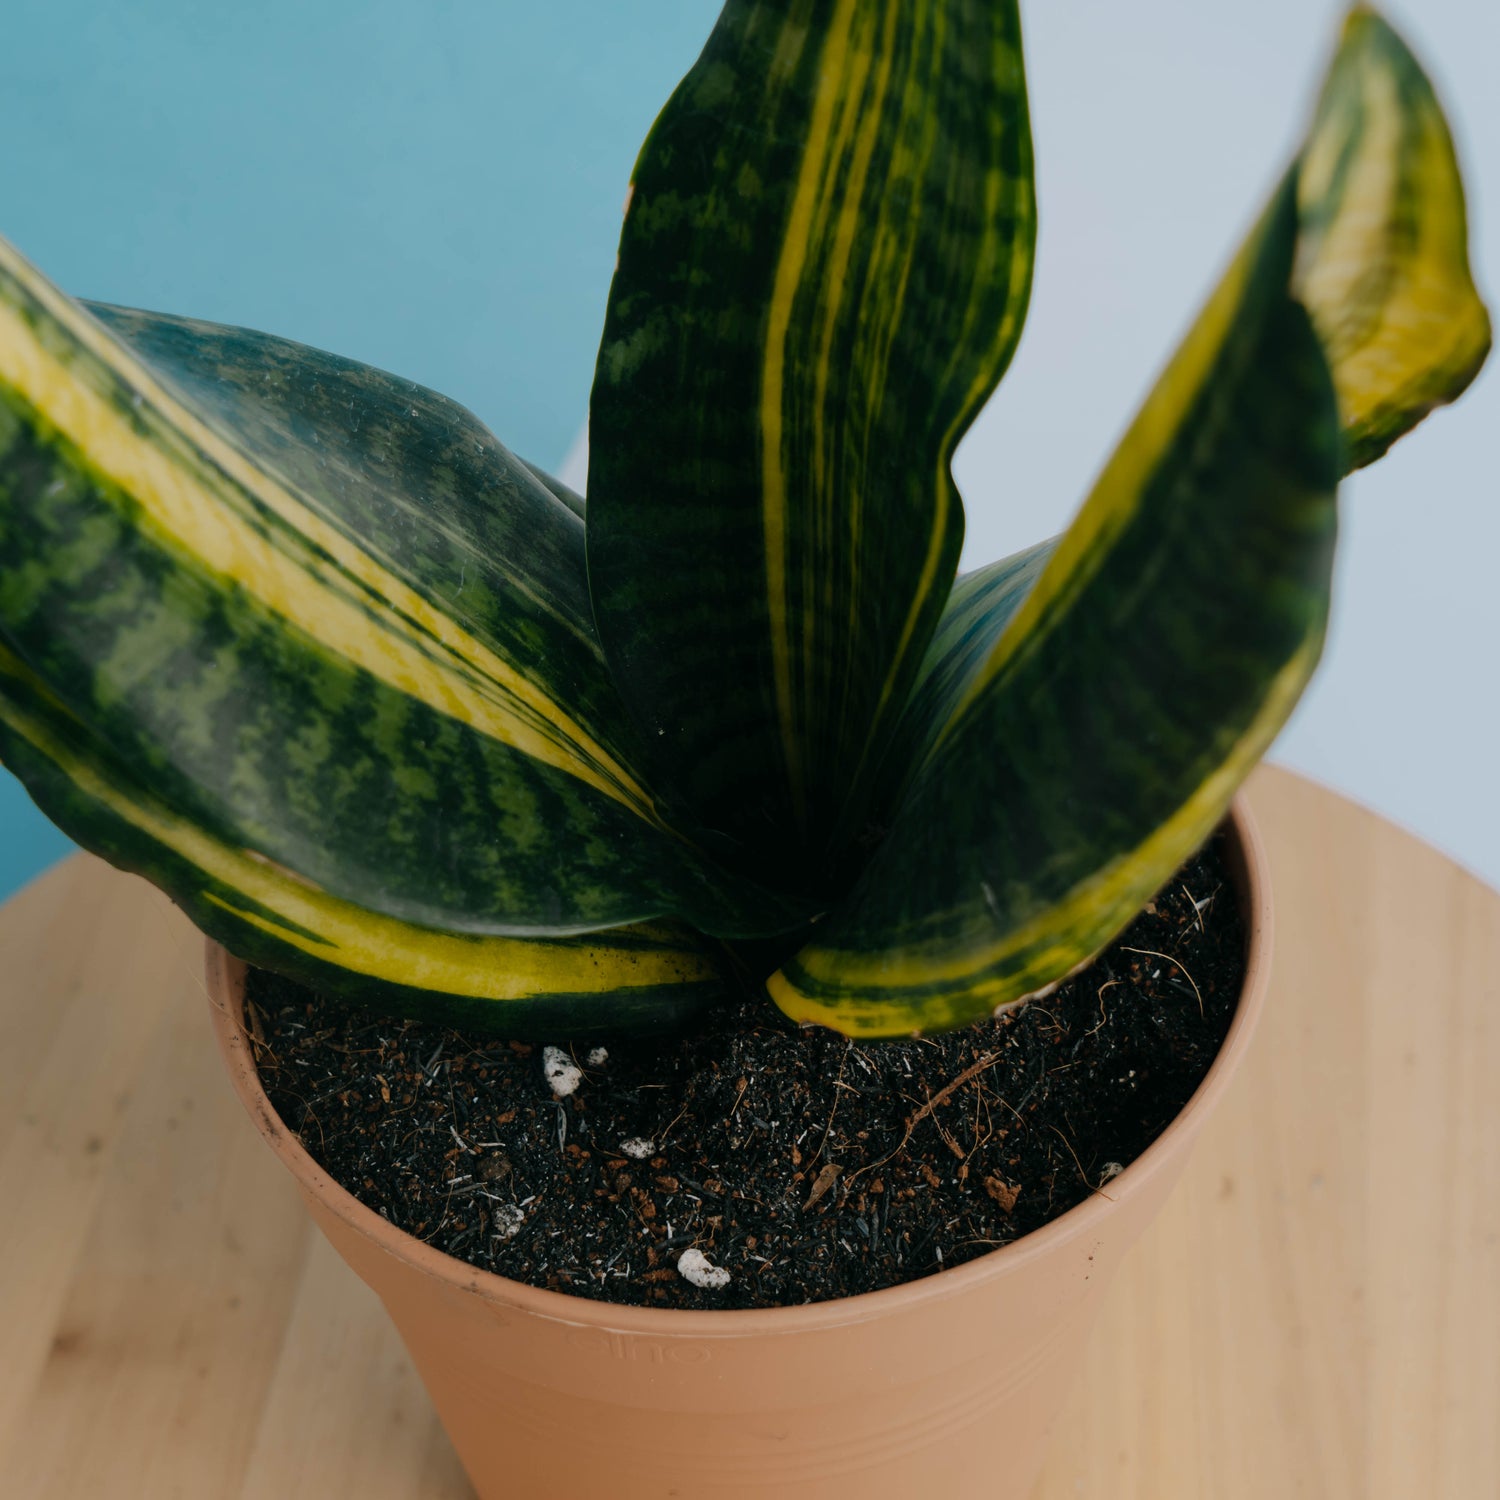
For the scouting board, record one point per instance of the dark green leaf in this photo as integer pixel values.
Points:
(1098, 740)
(823, 273)
(326, 617)
(571, 498)
(630, 978)
(979, 608)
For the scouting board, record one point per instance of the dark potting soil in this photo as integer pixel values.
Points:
(804, 1165)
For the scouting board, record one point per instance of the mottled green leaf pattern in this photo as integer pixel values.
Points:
(634, 978)
(823, 272)
(407, 705)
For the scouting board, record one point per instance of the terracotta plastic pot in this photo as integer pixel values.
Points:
(944, 1387)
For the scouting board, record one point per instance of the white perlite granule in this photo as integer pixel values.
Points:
(563, 1075)
(693, 1265)
(598, 1057)
(507, 1220)
(638, 1147)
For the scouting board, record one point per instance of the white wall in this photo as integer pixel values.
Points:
(1160, 126)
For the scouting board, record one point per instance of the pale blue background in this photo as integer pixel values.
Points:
(435, 188)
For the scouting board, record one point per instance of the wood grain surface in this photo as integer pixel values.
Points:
(1317, 1313)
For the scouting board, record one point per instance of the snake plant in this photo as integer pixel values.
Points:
(389, 710)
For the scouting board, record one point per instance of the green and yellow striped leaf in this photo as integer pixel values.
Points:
(1098, 740)
(1088, 708)
(1382, 265)
(329, 620)
(823, 272)
(631, 978)
(1384, 262)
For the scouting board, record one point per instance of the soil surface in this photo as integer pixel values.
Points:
(804, 1166)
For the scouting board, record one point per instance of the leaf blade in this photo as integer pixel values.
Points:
(1384, 266)
(1101, 737)
(828, 183)
(1373, 220)
(978, 611)
(641, 977)
(274, 633)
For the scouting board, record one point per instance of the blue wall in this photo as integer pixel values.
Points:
(432, 188)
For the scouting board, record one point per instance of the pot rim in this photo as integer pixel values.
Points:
(225, 985)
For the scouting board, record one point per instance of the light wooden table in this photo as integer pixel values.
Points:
(1317, 1313)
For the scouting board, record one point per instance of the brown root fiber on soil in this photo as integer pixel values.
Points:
(807, 1166)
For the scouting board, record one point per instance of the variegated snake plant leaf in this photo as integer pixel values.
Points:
(389, 710)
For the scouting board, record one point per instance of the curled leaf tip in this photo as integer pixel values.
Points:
(1383, 254)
